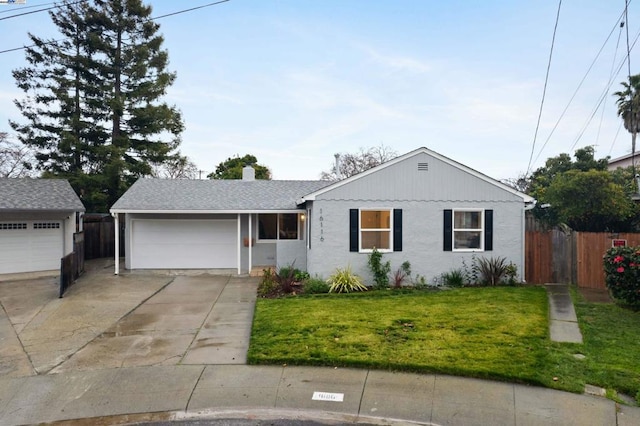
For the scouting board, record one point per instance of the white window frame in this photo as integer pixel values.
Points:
(299, 228)
(454, 230)
(390, 229)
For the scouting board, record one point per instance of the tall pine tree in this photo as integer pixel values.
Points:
(93, 101)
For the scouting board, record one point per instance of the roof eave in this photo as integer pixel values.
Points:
(186, 211)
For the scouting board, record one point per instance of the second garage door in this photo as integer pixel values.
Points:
(27, 246)
(183, 244)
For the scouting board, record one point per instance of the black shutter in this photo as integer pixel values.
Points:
(448, 230)
(353, 230)
(397, 229)
(488, 230)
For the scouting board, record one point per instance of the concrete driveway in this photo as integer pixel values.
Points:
(134, 319)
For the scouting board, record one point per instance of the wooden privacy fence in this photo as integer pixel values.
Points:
(570, 257)
(100, 237)
(72, 265)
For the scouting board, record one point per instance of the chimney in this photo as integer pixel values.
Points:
(248, 173)
(338, 174)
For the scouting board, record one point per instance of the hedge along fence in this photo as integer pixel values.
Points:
(622, 270)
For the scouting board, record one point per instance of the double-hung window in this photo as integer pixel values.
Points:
(468, 230)
(375, 229)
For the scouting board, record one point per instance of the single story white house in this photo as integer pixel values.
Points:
(420, 207)
(38, 218)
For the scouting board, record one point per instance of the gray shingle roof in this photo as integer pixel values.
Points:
(220, 195)
(24, 194)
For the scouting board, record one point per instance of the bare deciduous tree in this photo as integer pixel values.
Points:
(176, 167)
(15, 160)
(365, 159)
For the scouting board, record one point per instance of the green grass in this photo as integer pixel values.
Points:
(496, 333)
(612, 345)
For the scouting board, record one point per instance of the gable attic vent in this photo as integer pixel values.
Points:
(423, 167)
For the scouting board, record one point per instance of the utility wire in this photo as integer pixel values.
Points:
(604, 95)
(39, 10)
(150, 19)
(631, 94)
(544, 90)
(22, 7)
(613, 63)
(566, 108)
(190, 10)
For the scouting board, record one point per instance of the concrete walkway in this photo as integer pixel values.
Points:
(327, 395)
(563, 322)
(141, 347)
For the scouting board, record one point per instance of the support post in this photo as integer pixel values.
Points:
(116, 227)
(239, 252)
(250, 248)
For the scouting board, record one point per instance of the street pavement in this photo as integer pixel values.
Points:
(159, 348)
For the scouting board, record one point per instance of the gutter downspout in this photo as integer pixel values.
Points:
(116, 227)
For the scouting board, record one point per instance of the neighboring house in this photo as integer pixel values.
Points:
(38, 218)
(624, 161)
(420, 207)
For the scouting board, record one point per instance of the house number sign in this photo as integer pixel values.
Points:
(328, 396)
(321, 227)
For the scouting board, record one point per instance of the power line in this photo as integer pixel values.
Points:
(189, 10)
(605, 92)
(150, 19)
(27, 7)
(566, 108)
(39, 10)
(544, 90)
(631, 94)
(613, 63)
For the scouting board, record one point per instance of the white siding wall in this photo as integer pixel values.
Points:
(422, 237)
(403, 181)
(292, 252)
(69, 227)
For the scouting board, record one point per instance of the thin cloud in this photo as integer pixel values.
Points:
(404, 63)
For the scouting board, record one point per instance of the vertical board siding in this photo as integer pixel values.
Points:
(590, 249)
(575, 257)
(99, 239)
(538, 257)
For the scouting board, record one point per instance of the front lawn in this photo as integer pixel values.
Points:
(499, 333)
(612, 346)
(496, 333)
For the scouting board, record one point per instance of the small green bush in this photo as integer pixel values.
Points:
(268, 286)
(512, 274)
(345, 281)
(454, 278)
(301, 276)
(315, 286)
(379, 269)
(622, 274)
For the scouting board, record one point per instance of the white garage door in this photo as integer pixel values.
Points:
(183, 244)
(27, 246)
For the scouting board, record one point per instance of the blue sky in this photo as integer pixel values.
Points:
(295, 81)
